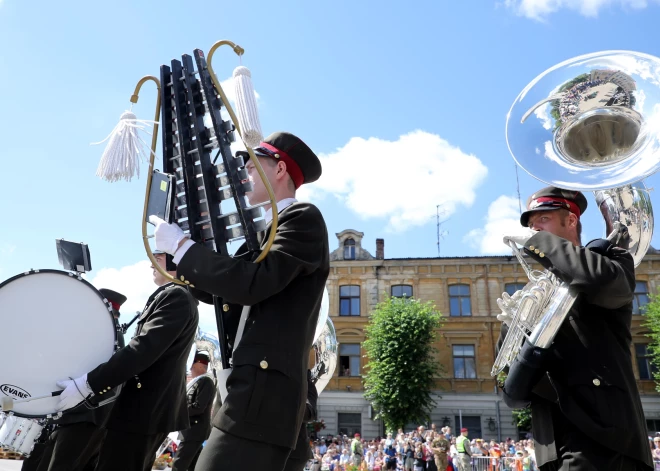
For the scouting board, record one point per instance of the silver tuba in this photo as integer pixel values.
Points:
(325, 347)
(591, 123)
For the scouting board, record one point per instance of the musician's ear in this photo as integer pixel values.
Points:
(281, 169)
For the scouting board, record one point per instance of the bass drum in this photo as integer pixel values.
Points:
(56, 325)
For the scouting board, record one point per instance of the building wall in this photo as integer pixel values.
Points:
(430, 280)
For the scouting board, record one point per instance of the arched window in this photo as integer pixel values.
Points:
(349, 249)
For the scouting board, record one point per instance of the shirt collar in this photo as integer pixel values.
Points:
(281, 205)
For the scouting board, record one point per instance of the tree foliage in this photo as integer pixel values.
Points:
(522, 418)
(399, 375)
(652, 323)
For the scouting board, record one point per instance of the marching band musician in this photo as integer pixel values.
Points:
(200, 392)
(76, 439)
(586, 409)
(263, 412)
(151, 368)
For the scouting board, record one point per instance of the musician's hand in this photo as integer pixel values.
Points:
(168, 236)
(521, 237)
(75, 391)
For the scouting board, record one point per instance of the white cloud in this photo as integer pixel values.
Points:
(539, 9)
(136, 283)
(401, 181)
(503, 218)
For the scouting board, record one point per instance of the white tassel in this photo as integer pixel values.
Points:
(121, 157)
(246, 107)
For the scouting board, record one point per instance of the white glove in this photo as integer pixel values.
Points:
(521, 237)
(75, 391)
(167, 235)
(506, 318)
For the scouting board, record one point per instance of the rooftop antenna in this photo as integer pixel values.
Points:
(440, 234)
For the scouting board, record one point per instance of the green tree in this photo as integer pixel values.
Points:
(522, 418)
(399, 375)
(652, 314)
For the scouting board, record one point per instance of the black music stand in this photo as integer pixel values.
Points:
(73, 256)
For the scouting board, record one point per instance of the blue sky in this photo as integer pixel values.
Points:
(387, 93)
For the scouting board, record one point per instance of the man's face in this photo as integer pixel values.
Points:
(199, 369)
(555, 222)
(259, 193)
(159, 279)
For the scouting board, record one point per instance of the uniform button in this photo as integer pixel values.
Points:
(182, 278)
(596, 382)
(225, 307)
(536, 251)
(541, 255)
(263, 364)
(101, 392)
(531, 247)
(187, 282)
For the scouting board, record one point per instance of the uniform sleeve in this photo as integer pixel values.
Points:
(607, 280)
(296, 250)
(205, 394)
(171, 313)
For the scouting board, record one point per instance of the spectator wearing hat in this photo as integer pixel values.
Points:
(583, 392)
(464, 452)
(200, 392)
(151, 368)
(264, 408)
(77, 435)
(356, 450)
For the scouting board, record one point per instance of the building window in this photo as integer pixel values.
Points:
(349, 359)
(641, 298)
(459, 300)
(464, 364)
(349, 300)
(653, 426)
(511, 288)
(402, 291)
(349, 424)
(349, 249)
(644, 365)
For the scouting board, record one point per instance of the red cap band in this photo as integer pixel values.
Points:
(114, 305)
(292, 167)
(561, 202)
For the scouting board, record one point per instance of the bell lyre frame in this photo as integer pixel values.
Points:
(186, 98)
(591, 123)
(154, 140)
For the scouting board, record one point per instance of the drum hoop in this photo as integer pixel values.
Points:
(79, 278)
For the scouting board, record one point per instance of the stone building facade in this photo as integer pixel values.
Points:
(465, 291)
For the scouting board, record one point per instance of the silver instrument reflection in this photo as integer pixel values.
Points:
(205, 342)
(589, 123)
(326, 348)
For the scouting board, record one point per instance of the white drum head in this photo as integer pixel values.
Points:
(54, 327)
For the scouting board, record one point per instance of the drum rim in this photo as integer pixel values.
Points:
(79, 278)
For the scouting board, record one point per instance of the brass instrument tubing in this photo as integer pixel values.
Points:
(271, 196)
(152, 157)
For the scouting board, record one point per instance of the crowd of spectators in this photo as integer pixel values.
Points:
(419, 450)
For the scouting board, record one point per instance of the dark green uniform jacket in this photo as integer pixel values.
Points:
(590, 373)
(267, 389)
(156, 355)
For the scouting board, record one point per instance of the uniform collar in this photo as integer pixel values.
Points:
(281, 205)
